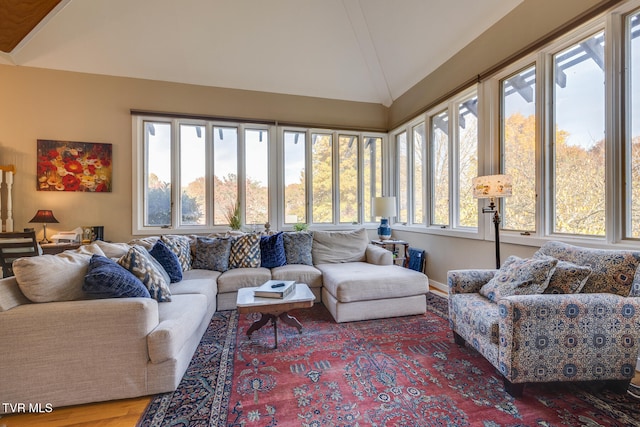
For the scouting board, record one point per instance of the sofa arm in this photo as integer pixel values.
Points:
(468, 281)
(568, 337)
(378, 255)
(75, 351)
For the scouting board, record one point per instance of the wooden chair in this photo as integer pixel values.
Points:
(14, 245)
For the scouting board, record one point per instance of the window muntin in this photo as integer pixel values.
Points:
(402, 198)
(348, 178)
(578, 135)
(322, 177)
(467, 162)
(193, 156)
(372, 174)
(256, 187)
(157, 174)
(440, 169)
(225, 172)
(419, 176)
(295, 192)
(632, 43)
(518, 127)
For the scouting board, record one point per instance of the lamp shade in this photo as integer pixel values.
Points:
(489, 186)
(384, 206)
(44, 216)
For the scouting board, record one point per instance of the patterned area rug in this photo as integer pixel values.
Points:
(398, 372)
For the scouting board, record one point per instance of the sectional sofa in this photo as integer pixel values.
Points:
(76, 328)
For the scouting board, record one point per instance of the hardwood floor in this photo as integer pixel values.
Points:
(117, 413)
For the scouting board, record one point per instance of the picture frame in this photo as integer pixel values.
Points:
(74, 166)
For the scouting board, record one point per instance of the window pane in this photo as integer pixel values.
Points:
(403, 177)
(257, 171)
(467, 161)
(225, 168)
(348, 178)
(322, 182)
(158, 175)
(372, 177)
(579, 151)
(418, 173)
(192, 172)
(633, 92)
(518, 133)
(440, 165)
(294, 177)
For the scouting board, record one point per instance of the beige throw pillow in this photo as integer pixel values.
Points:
(331, 247)
(50, 278)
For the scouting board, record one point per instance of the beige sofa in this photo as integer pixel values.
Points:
(74, 350)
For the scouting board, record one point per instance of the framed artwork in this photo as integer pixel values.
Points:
(74, 166)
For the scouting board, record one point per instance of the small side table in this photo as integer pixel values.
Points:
(393, 246)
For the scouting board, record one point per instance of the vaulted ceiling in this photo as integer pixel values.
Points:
(358, 50)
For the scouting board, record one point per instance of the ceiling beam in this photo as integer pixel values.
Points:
(19, 18)
(368, 50)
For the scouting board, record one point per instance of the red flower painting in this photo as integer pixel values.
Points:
(74, 166)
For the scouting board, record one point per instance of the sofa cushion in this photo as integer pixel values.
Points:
(272, 251)
(568, 278)
(107, 279)
(301, 273)
(520, 276)
(212, 254)
(113, 250)
(168, 260)
(178, 321)
(50, 278)
(197, 282)
(339, 246)
(140, 262)
(245, 251)
(613, 271)
(232, 280)
(181, 246)
(360, 281)
(297, 247)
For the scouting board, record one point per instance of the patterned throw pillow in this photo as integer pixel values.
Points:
(107, 279)
(520, 276)
(272, 251)
(139, 262)
(297, 247)
(212, 254)
(168, 260)
(245, 251)
(181, 246)
(568, 278)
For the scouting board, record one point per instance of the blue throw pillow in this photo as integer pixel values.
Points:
(272, 251)
(105, 278)
(168, 260)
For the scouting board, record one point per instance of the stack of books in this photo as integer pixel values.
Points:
(275, 289)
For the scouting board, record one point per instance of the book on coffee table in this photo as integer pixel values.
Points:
(275, 289)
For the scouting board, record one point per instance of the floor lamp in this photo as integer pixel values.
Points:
(492, 187)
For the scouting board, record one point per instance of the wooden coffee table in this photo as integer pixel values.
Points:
(274, 308)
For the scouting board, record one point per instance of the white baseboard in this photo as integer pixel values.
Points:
(438, 288)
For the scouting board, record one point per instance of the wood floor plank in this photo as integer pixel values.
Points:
(117, 413)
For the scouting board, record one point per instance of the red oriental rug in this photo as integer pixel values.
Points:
(404, 371)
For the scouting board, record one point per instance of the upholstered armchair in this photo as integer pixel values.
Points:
(567, 314)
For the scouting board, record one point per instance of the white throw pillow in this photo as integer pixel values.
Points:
(50, 278)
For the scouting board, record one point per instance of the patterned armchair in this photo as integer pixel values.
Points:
(578, 322)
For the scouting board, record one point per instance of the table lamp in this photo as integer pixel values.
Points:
(384, 207)
(492, 187)
(45, 217)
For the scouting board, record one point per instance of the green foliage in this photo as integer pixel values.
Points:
(300, 226)
(159, 204)
(233, 217)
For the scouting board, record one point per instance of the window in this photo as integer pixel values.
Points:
(518, 142)
(193, 156)
(632, 32)
(256, 189)
(348, 178)
(295, 177)
(157, 174)
(467, 162)
(418, 173)
(578, 138)
(402, 153)
(372, 174)
(225, 168)
(440, 168)
(322, 174)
